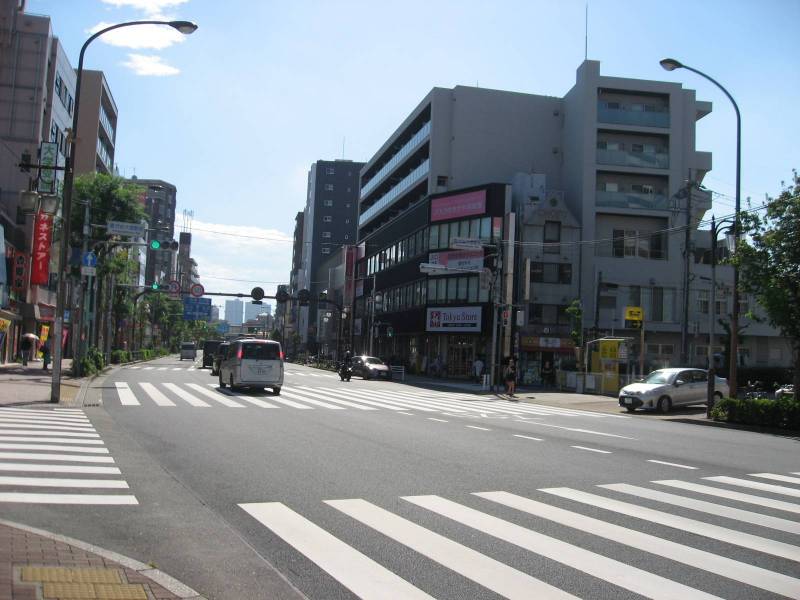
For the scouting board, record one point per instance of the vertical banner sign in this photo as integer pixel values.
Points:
(47, 177)
(42, 238)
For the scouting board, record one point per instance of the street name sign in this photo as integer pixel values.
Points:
(461, 243)
(89, 271)
(197, 309)
(124, 229)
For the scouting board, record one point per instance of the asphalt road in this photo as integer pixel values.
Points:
(371, 489)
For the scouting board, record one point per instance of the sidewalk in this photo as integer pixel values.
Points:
(31, 384)
(37, 565)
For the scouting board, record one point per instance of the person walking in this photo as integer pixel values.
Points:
(548, 374)
(510, 377)
(45, 354)
(25, 350)
(477, 369)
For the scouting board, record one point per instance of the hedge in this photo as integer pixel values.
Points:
(783, 413)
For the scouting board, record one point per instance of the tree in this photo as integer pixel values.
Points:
(769, 262)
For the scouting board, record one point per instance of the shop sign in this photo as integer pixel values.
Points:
(497, 228)
(19, 276)
(4, 325)
(44, 333)
(42, 239)
(453, 320)
(535, 342)
(47, 177)
(463, 260)
(460, 205)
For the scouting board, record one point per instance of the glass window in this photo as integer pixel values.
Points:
(433, 237)
(483, 295)
(444, 235)
(565, 273)
(452, 289)
(432, 294)
(326, 234)
(463, 229)
(462, 288)
(635, 296)
(486, 228)
(424, 299)
(552, 237)
(472, 291)
(474, 229)
(326, 250)
(441, 290)
(328, 187)
(260, 352)
(657, 304)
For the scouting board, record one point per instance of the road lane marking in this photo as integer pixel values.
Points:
(488, 572)
(67, 498)
(50, 420)
(687, 555)
(409, 404)
(186, 396)
(579, 430)
(756, 485)
(711, 508)
(178, 369)
(400, 412)
(440, 420)
(669, 464)
(305, 390)
(528, 437)
(591, 449)
(54, 482)
(731, 495)
(126, 396)
(57, 457)
(476, 427)
(359, 400)
(774, 477)
(355, 571)
(49, 414)
(156, 395)
(714, 532)
(81, 449)
(161, 369)
(49, 428)
(34, 468)
(63, 434)
(302, 398)
(610, 570)
(147, 368)
(221, 398)
(47, 440)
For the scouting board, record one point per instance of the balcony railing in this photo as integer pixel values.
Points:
(385, 200)
(401, 154)
(104, 155)
(632, 159)
(107, 124)
(632, 117)
(632, 200)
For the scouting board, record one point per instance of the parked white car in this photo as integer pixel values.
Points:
(663, 389)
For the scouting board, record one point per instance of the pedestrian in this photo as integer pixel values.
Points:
(510, 377)
(548, 374)
(477, 369)
(25, 350)
(45, 354)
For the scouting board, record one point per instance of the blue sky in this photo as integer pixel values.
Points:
(234, 114)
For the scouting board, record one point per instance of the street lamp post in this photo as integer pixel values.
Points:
(185, 27)
(670, 64)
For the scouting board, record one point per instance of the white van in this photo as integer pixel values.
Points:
(253, 364)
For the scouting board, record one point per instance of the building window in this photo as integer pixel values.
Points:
(703, 301)
(329, 171)
(632, 243)
(347, 221)
(326, 251)
(441, 180)
(328, 187)
(548, 314)
(551, 273)
(327, 219)
(552, 237)
(327, 203)
(326, 234)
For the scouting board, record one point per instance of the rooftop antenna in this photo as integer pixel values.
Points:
(586, 34)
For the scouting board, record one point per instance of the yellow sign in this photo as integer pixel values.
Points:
(4, 324)
(609, 349)
(634, 313)
(45, 333)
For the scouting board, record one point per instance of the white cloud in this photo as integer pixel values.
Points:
(149, 66)
(149, 7)
(156, 37)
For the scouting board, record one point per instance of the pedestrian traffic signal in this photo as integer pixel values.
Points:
(163, 245)
(303, 296)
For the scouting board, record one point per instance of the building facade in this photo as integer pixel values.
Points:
(159, 199)
(234, 311)
(97, 126)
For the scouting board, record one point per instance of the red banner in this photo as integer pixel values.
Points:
(42, 238)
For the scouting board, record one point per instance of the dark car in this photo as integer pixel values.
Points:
(369, 367)
(219, 354)
(209, 350)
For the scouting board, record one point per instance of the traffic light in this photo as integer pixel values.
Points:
(390, 331)
(155, 286)
(303, 296)
(163, 245)
(281, 297)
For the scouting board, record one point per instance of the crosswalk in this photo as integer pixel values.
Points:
(56, 457)
(157, 368)
(336, 398)
(704, 547)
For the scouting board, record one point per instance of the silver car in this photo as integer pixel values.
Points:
(665, 388)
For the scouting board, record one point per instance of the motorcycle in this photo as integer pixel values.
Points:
(345, 372)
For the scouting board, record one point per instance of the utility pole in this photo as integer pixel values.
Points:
(686, 273)
(597, 305)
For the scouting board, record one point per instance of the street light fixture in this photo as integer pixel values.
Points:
(185, 27)
(670, 64)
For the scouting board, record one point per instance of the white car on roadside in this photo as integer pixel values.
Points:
(666, 388)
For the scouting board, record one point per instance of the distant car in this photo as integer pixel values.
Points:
(188, 350)
(218, 356)
(256, 364)
(209, 350)
(369, 367)
(666, 388)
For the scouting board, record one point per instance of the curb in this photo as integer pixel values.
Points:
(793, 433)
(166, 581)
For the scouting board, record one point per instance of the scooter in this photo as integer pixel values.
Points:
(345, 372)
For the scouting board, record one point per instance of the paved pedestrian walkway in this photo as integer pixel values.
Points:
(31, 383)
(36, 565)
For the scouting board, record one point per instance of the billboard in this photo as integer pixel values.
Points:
(460, 205)
(467, 260)
(456, 319)
(42, 239)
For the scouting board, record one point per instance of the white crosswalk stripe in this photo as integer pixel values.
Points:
(156, 395)
(774, 477)
(186, 396)
(36, 443)
(366, 577)
(218, 397)
(757, 485)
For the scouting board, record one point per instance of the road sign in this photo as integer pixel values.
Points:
(463, 243)
(634, 313)
(89, 259)
(197, 290)
(125, 229)
(174, 288)
(432, 268)
(196, 309)
(622, 352)
(90, 271)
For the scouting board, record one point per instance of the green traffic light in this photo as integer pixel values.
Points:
(154, 286)
(155, 245)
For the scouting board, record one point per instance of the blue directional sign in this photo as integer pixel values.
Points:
(89, 259)
(223, 327)
(196, 309)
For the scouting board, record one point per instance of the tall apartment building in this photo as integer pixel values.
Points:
(159, 198)
(251, 311)
(97, 126)
(234, 311)
(592, 191)
(186, 271)
(329, 221)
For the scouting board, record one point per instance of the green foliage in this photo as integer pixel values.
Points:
(575, 312)
(110, 199)
(120, 356)
(96, 356)
(783, 413)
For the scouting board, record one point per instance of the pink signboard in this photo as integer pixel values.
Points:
(460, 205)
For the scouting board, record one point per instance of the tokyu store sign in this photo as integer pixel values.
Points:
(457, 319)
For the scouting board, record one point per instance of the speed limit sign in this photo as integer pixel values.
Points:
(197, 290)
(174, 288)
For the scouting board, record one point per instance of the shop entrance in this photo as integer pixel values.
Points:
(460, 356)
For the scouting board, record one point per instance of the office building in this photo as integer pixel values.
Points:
(97, 126)
(252, 311)
(234, 310)
(159, 199)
